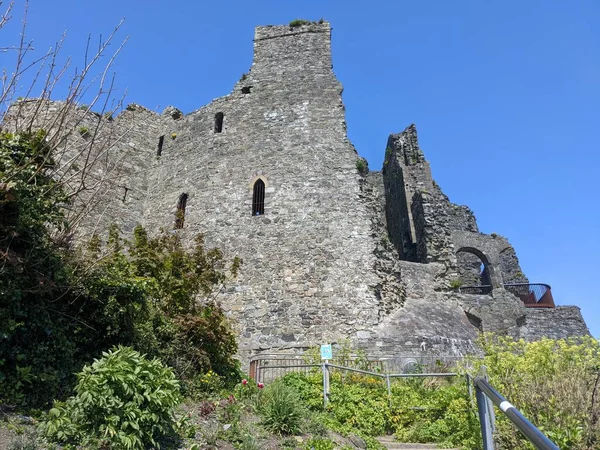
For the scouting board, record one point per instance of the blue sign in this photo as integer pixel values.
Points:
(326, 351)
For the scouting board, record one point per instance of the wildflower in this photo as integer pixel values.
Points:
(260, 385)
(244, 382)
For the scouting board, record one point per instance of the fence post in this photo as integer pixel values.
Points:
(469, 390)
(325, 384)
(484, 420)
(488, 401)
(389, 389)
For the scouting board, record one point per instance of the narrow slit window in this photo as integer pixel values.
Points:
(161, 141)
(219, 122)
(180, 214)
(258, 198)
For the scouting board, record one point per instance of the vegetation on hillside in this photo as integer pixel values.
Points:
(62, 306)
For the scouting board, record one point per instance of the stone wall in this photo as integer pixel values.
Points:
(555, 323)
(307, 275)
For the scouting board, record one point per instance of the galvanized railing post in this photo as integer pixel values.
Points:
(325, 384)
(389, 389)
(484, 420)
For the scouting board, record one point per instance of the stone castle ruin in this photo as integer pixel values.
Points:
(330, 250)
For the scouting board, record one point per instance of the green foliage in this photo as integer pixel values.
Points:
(24, 441)
(62, 307)
(280, 409)
(299, 22)
(123, 400)
(84, 131)
(152, 284)
(554, 383)
(455, 284)
(36, 329)
(319, 443)
(361, 166)
(420, 411)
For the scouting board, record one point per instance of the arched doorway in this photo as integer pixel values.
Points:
(474, 271)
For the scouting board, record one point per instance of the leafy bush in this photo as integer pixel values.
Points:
(299, 23)
(455, 284)
(318, 443)
(362, 166)
(420, 410)
(36, 346)
(123, 400)
(281, 409)
(554, 383)
(61, 307)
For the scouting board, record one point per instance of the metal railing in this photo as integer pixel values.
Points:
(325, 367)
(486, 395)
(280, 364)
(483, 289)
(533, 295)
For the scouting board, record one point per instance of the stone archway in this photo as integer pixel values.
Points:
(475, 270)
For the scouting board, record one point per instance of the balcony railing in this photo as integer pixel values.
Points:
(536, 295)
(482, 289)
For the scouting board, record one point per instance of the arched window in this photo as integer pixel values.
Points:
(219, 122)
(258, 198)
(180, 214)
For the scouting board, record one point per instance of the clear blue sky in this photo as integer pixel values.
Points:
(505, 96)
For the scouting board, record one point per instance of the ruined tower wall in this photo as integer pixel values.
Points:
(307, 266)
(105, 161)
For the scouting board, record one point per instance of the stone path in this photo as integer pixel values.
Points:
(389, 443)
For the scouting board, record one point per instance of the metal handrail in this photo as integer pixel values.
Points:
(481, 289)
(533, 295)
(385, 376)
(484, 391)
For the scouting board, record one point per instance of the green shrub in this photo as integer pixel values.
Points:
(362, 166)
(62, 306)
(455, 284)
(319, 443)
(552, 382)
(84, 131)
(123, 400)
(24, 441)
(420, 410)
(281, 409)
(299, 23)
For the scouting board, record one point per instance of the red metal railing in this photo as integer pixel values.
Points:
(533, 295)
(536, 295)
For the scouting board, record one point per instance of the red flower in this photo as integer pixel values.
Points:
(244, 382)
(260, 385)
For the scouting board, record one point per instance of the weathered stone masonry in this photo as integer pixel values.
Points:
(337, 254)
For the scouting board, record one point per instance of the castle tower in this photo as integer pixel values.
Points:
(271, 177)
